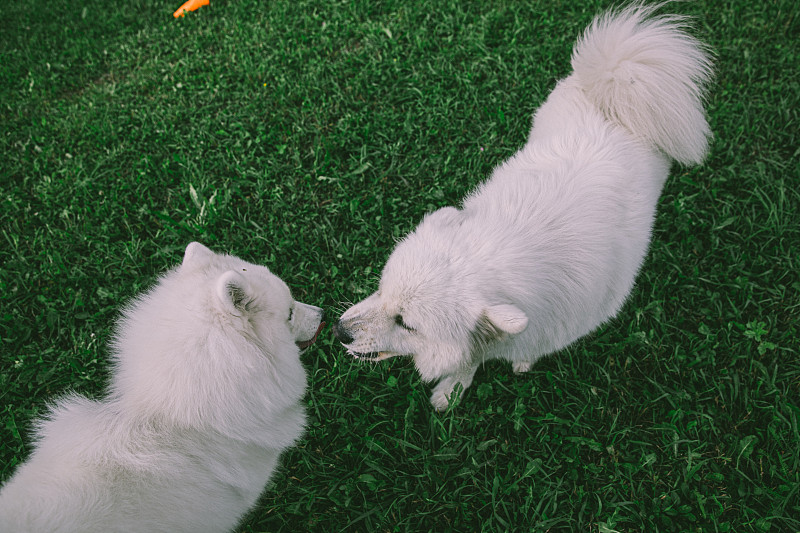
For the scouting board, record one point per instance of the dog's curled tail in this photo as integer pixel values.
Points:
(648, 74)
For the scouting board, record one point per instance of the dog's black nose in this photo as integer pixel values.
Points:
(341, 333)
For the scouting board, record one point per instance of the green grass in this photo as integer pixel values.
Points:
(310, 135)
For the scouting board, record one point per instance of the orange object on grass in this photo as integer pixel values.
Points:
(191, 5)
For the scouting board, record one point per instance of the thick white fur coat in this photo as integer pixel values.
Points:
(549, 247)
(206, 393)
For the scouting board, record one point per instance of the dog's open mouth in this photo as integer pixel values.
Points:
(305, 344)
(375, 356)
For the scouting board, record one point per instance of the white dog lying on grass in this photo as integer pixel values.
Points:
(548, 248)
(206, 393)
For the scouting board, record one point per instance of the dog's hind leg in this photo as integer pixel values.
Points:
(445, 394)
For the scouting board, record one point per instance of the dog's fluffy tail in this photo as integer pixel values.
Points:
(648, 74)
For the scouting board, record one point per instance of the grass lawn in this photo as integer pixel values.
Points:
(309, 135)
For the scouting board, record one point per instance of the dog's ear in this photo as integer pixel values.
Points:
(506, 319)
(497, 322)
(233, 292)
(194, 252)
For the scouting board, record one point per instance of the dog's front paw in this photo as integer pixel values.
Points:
(520, 367)
(446, 392)
(440, 399)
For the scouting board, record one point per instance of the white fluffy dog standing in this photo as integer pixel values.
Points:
(548, 248)
(206, 393)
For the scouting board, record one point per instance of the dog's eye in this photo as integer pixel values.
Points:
(398, 319)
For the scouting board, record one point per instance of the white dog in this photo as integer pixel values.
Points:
(548, 248)
(206, 393)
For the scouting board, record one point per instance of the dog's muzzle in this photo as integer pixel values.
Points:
(305, 344)
(344, 336)
(341, 334)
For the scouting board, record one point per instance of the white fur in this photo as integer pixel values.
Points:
(206, 393)
(548, 248)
